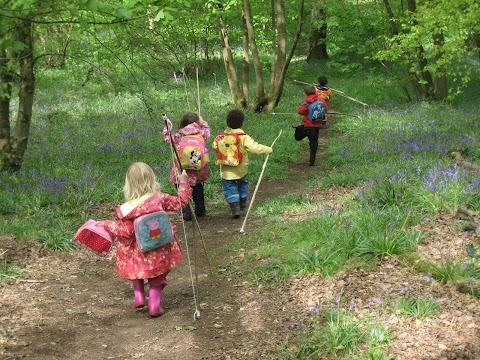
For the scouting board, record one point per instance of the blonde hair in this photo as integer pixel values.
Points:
(140, 180)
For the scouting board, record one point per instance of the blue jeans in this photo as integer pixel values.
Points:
(234, 190)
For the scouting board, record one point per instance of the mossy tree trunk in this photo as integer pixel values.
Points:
(13, 146)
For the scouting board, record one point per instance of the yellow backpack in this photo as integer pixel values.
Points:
(228, 149)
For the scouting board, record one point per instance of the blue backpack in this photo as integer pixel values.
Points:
(153, 230)
(316, 111)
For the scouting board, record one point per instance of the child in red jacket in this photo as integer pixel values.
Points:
(143, 197)
(308, 128)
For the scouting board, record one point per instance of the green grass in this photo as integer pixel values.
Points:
(9, 270)
(82, 140)
(419, 308)
(338, 334)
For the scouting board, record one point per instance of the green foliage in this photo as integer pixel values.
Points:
(83, 139)
(446, 271)
(339, 334)
(452, 56)
(419, 307)
(8, 270)
(292, 204)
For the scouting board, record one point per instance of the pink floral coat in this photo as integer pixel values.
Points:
(131, 263)
(201, 128)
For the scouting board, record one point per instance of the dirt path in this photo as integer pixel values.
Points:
(75, 307)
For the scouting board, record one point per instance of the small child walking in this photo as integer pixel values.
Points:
(234, 177)
(309, 129)
(191, 124)
(143, 196)
(323, 91)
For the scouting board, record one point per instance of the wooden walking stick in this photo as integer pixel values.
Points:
(242, 230)
(341, 93)
(179, 167)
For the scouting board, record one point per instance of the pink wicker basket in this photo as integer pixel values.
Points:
(94, 237)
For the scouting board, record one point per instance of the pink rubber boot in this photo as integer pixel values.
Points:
(155, 295)
(138, 294)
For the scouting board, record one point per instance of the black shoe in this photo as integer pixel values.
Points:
(187, 214)
(312, 160)
(243, 204)
(235, 207)
(200, 212)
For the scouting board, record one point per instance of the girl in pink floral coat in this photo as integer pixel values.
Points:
(191, 124)
(143, 197)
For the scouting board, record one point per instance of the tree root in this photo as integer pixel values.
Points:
(471, 218)
(463, 163)
(464, 285)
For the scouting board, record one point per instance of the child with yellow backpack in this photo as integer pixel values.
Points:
(232, 147)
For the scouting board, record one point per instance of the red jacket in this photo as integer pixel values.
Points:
(131, 263)
(303, 110)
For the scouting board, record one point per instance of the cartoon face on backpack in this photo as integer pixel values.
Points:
(193, 152)
(154, 228)
(195, 157)
(228, 149)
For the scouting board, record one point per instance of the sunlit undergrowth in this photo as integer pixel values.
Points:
(399, 160)
(83, 139)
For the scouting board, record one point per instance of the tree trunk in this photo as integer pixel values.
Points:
(441, 87)
(230, 66)
(422, 62)
(5, 95)
(12, 151)
(317, 45)
(274, 43)
(25, 95)
(282, 62)
(246, 62)
(260, 86)
(391, 17)
(262, 102)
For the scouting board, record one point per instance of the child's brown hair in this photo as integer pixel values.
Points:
(235, 119)
(188, 118)
(322, 81)
(310, 90)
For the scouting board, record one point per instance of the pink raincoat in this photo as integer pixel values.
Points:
(131, 263)
(201, 128)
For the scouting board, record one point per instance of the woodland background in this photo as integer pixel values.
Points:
(83, 86)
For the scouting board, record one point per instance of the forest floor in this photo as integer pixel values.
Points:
(73, 306)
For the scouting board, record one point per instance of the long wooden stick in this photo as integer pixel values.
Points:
(341, 93)
(328, 113)
(242, 230)
(198, 95)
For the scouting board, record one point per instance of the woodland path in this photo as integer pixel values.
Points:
(75, 307)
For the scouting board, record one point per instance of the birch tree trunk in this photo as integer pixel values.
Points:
(246, 62)
(260, 87)
(230, 66)
(279, 59)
